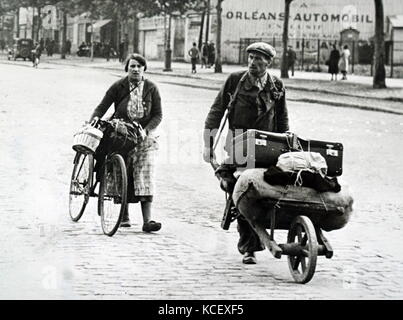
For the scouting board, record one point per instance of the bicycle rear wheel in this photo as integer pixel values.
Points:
(112, 194)
(80, 185)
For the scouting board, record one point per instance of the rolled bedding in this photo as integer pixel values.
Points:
(251, 191)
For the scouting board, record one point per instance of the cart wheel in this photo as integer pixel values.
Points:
(112, 194)
(302, 233)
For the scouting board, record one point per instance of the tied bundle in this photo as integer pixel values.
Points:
(121, 136)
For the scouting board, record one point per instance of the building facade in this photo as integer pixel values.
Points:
(309, 19)
(312, 23)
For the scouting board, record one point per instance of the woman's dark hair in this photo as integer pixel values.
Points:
(139, 58)
(345, 47)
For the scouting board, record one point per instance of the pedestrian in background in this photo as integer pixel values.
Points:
(121, 51)
(291, 58)
(344, 62)
(42, 44)
(211, 54)
(333, 63)
(204, 55)
(68, 46)
(107, 51)
(52, 47)
(47, 46)
(137, 99)
(194, 56)
(255, 100)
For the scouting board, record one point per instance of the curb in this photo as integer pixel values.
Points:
(216, 88)
(348, 105)
(392, 99)
(292, 86)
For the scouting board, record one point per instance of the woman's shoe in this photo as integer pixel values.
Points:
(151, 226)
(125, 223)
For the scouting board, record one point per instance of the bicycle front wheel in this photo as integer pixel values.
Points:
(80, 185)
(112, 194)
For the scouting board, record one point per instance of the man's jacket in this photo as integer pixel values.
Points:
(252, 108)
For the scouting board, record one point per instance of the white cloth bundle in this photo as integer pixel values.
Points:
(302, 161)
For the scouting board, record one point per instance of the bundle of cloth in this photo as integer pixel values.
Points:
(286, 182)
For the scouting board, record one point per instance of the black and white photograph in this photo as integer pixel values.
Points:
(190, 150)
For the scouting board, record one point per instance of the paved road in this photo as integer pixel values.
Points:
(45, 255)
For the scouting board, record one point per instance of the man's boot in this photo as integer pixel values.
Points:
(249, 258)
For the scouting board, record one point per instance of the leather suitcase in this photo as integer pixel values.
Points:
(331, 151)
(261, 149)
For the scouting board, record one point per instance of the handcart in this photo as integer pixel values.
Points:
(300, 210)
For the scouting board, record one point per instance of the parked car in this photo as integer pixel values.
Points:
(22, 49)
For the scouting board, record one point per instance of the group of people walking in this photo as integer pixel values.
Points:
(207, 58)
(339, 62)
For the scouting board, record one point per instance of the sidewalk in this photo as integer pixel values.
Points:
(310, 87)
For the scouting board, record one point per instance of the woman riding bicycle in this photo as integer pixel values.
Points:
(137, 99)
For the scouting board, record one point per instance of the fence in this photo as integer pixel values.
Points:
(313, 53)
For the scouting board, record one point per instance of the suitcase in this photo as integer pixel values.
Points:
(261, 149)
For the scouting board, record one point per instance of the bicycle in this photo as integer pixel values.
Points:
(112, 193)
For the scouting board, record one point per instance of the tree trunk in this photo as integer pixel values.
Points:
(169, 32)
(136, 34)
(284, 62)
(18, 23)
(125, 39)
(217, 62)
(92, 40)
(39, 25)
(64, 35)
(379, 54)
(33, 24)
(208, 20)
(201, 30)
(117, 43)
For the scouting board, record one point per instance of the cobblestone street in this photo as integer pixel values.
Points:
(47, 256)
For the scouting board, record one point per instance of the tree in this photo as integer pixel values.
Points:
(67, 8)
(207, 21)
(9, 6)
(217, 62)
(203, 15)
(200, 7)
(379, 54)
(70, 8)
(168, 8)
(14, 6)
(36, 5)
(120, 11)
(284, 62)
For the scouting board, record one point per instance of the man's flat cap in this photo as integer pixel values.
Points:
(263, 48)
